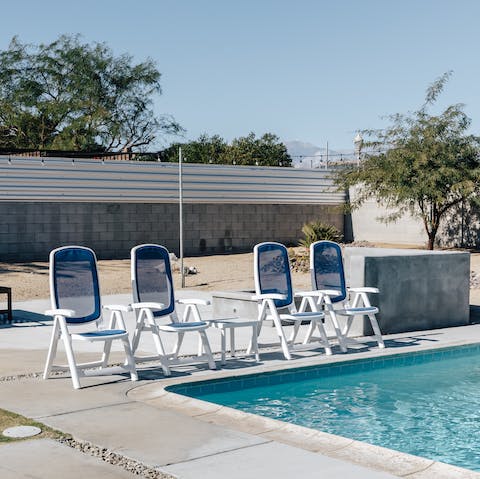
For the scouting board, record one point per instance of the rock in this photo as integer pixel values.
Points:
(188, 270)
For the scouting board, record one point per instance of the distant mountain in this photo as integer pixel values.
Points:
(308, 155)
(300, 148)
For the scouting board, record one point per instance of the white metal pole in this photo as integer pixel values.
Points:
(180, 211)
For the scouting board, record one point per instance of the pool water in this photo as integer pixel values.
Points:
(426, 404)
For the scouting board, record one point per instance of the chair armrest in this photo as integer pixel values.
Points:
(364, 290)
(269, 296)
(117, 307)
(147, 305)
(318, 293)
(195, 301)
(303, 294)
(66, 313)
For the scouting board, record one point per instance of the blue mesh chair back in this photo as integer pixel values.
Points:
(75, 283)
(153, 278)
(327, 271)
(273, 272)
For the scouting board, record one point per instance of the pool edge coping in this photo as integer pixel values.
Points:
(338, 447)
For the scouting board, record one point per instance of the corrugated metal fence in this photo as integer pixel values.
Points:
(63, 179)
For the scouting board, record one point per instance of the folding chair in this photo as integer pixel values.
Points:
(328, 282)
(154, 301)
(274, 292)
(75, 300)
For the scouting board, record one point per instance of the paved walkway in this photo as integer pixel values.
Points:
(134, 422)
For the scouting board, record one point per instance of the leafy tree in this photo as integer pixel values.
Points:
(424, 164)
(207, 149)
(264, 151)
(76, 96)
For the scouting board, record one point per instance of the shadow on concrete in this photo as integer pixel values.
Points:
(474, 314)
(407, 342)
(21, 316)
(154, 373)
(461, 228)
(26, 268)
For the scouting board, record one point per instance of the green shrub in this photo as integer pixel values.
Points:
(316, 231)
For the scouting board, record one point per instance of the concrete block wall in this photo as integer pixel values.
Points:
(30, 230)
(459, 228)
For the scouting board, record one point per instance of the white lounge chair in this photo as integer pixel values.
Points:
(328, 283)
(154, 301)
(75, 299)
(274, 293)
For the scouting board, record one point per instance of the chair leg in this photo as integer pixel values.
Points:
(342, 341)
(311, 328)
(376, 330)
(208, 351)
(296, 327)
(223, 345)
(255, 342)
(200, 347)
(281, 335)
(178, 344)
(278, 326)
(303, 305)
(347, 327)
(157, 340)
(67, 340)
(129, 363)
(232, 342)
(138, 331)
(160, 350)
(283, 340)
(52, 350)
(106, 353)
(323, 335)
(262, 310)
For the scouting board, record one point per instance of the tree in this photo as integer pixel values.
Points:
(422, 163)
(75, 96)
(249, 150)
(265, 151)
(207, 149)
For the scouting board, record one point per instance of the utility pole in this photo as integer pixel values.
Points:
(180, 210)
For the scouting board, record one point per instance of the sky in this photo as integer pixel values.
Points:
(316, 71)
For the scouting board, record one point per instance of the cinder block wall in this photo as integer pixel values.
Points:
(30, 230)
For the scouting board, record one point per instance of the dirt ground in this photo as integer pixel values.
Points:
(215, 273)
(222, 272)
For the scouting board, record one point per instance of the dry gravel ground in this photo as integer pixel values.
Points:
(215, 273)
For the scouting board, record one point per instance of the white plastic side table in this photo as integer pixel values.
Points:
(231, 324)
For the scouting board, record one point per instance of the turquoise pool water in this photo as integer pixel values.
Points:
(427, 404)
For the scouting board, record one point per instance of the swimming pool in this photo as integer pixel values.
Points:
(424, 403)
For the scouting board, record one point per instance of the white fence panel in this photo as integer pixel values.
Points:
(61, 179)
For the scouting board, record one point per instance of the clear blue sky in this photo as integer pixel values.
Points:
(314, 71)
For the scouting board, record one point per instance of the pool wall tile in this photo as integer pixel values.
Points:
(200, 388)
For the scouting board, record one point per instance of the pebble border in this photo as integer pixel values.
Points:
(101, 453)
(114, 458)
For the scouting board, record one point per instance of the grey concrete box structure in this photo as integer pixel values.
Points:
(419, 289)
(240, 304)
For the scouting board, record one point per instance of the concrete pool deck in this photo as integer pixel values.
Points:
(182, 437)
